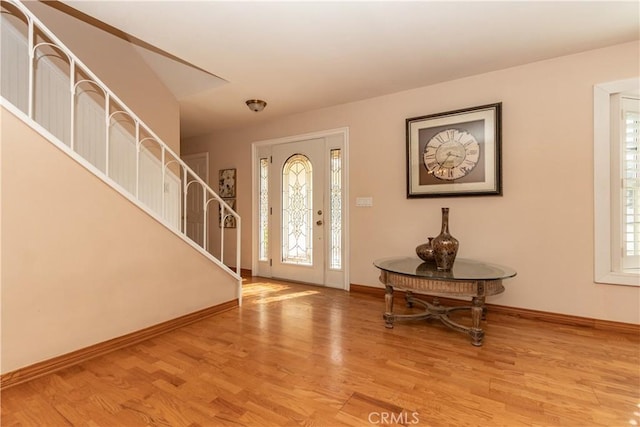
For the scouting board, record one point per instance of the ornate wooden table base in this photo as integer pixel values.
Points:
(436, 311)
(472, 279)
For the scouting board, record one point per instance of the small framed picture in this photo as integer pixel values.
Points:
(229, 220)
(456, 153)
(227, 183)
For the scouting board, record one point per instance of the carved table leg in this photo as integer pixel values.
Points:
(388, 302)
(408, 297)
(477, 309)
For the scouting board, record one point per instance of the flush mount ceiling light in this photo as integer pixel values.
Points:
(256, 105)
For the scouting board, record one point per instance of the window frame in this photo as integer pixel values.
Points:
(607, 261)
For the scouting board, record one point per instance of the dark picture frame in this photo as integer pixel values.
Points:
(455, 153)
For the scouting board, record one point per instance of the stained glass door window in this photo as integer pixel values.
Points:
(297, 211)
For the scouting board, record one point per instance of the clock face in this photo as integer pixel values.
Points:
(451, 154)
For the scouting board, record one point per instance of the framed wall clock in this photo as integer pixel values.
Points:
(456, 153)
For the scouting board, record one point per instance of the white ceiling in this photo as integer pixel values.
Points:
(304, 55)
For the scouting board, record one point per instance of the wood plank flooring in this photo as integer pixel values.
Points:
(296, 355)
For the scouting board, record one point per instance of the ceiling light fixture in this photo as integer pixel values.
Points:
(256, 105)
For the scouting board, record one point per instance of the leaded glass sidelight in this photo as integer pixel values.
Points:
(335, 170)
(297, 207)
(263, 222)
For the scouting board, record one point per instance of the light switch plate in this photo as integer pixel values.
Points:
(364, 201)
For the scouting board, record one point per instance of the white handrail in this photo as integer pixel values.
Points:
(111, 98)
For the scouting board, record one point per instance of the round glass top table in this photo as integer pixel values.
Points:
(467, 278)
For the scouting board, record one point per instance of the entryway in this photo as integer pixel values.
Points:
(300, 194)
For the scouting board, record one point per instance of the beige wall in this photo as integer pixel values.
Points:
(80, 263)
(542, 226)
(118, 65)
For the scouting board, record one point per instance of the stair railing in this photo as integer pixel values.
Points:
(143, 134)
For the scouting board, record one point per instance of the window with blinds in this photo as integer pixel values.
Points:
(630, 179)
(616, 182)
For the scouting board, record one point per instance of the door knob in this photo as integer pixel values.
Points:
(319, 222)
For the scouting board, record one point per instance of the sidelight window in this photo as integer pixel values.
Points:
(263, 209)
(335, 170)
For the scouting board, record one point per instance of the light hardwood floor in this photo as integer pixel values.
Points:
(301, 355)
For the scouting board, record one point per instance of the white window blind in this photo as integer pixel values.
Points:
(630, 192)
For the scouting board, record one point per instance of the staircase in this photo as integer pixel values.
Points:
(84, 262)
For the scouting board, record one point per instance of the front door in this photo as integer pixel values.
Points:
(298, 211)
(300, 229)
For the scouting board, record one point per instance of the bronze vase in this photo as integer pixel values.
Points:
(445, 246)
(425, 251)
